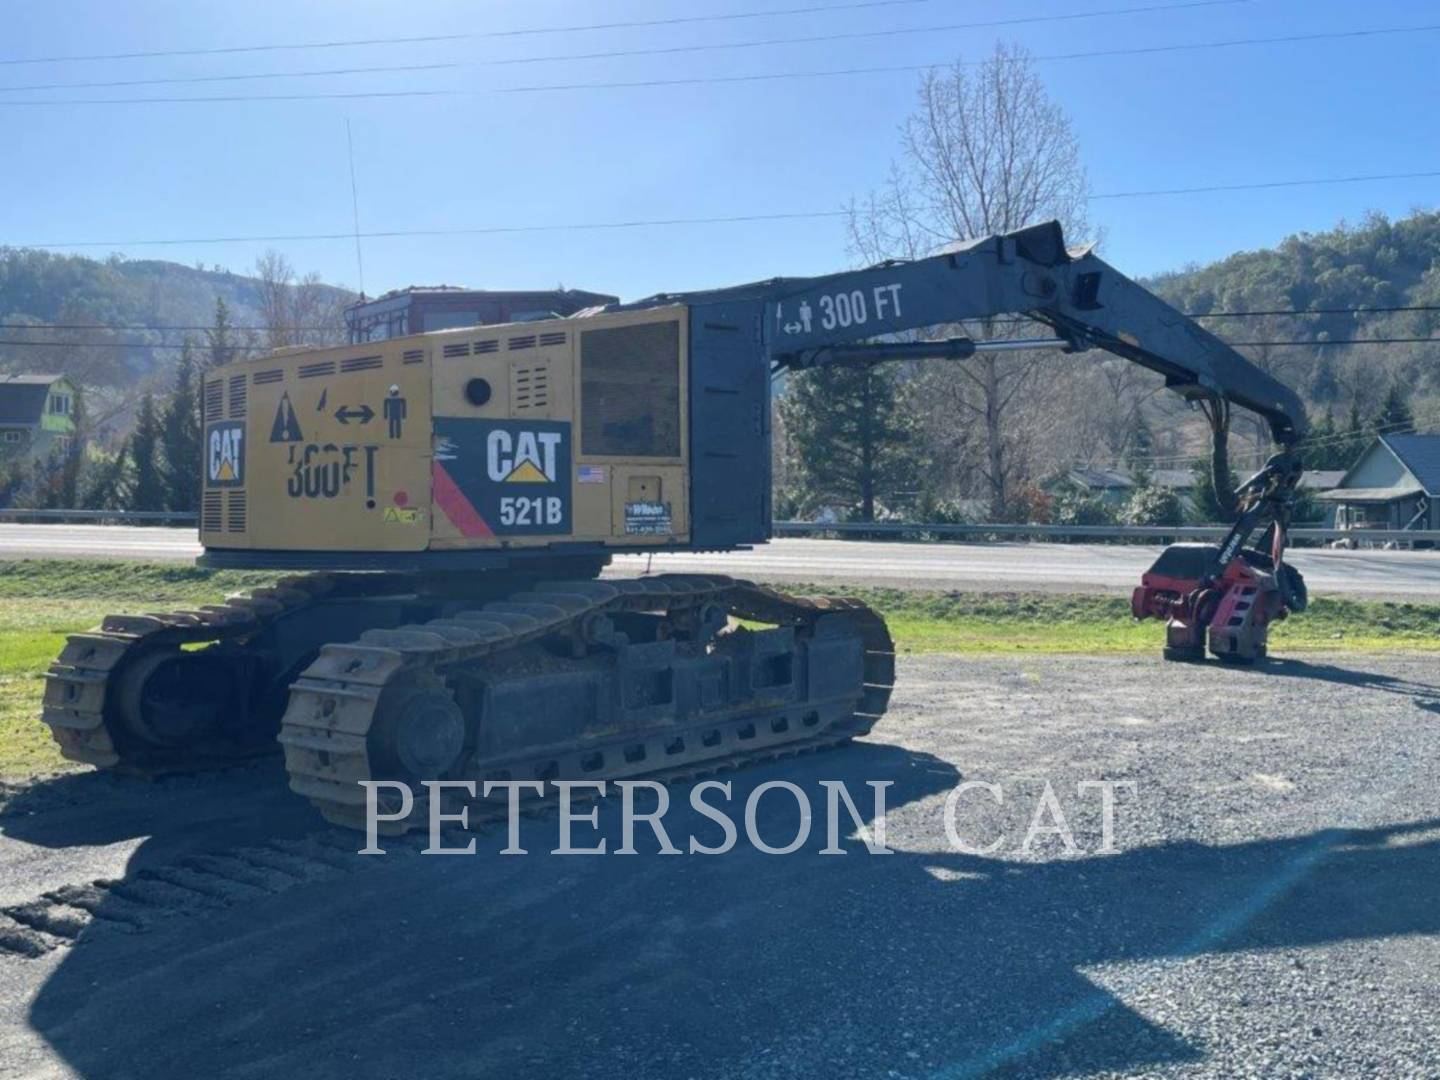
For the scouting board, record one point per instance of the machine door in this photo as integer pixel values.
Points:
(729, 427)
(632, 429)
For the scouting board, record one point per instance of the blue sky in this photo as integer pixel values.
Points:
(88, 172)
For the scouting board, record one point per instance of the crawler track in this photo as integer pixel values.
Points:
(83, 690)
(335, 704)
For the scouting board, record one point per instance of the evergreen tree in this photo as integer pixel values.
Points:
(1395, 417)
(106, 484)
(220, 337)
(850, 436)
(12, 480)
(1324, 444)
(147, 490)
(1356, 437)
(68, 481)
(1208, 507)
(1324, 386)
(180, 439)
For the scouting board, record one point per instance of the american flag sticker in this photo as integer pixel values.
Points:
(591, 474)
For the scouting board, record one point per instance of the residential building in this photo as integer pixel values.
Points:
(37, 415)
(1395, 484)
(420, 309)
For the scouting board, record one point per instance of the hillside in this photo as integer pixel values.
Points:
(1376, 264)
(42, 287)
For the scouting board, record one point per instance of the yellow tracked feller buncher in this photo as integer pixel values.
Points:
(449, 500)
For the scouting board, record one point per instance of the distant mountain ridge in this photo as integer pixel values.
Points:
(45, 287)
(1376, 264)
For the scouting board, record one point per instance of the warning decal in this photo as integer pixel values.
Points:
(286, 427)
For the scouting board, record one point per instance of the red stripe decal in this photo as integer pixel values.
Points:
(456, 507)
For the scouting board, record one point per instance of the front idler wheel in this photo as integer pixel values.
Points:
(173, 698)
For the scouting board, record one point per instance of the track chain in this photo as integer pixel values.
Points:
(334, 703)
(79, 702)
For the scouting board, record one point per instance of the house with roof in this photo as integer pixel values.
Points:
(1115, 485)
(1112, 485)
(1395, 484)
(37, 415)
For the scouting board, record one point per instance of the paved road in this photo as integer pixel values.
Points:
(989, 567)
(1272, 907)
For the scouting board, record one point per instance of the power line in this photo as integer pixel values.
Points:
(165, 327)
(731, 219)
(1312, 311)
(130, 345)
(141, 326)
(1334, 341)
(1420, 416)
(425, 39)
(610, 54)
(157, 345)
(702, 80)
(487, 230)
(1361, 179)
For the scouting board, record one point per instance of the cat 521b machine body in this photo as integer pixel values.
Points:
(449, 500)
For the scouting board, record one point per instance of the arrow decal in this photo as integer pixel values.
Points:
(345, 414)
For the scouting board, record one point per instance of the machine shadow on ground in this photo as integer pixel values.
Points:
(925, 961)
(1425, 694)
(175, 814)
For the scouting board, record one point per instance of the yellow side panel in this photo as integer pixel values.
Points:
(502, 457)
(336, 451)
(511, 464)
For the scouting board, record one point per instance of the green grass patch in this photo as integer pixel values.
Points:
(960, 622)
(41, 601)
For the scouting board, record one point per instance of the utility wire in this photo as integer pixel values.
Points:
(155, 345)
(1421, 416)
(131, 345)
(488, 230)
(142, 326)
(1332, 341)
(425, 39)
(493, 230)
(611, 54)
(162, 327)
(1312, 311)
(703, 80)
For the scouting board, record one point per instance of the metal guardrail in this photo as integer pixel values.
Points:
(99, 517)
(1158, 533)
(1101, 532)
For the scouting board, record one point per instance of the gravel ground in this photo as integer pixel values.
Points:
(1272, 908)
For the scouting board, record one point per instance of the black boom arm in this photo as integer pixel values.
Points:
(1087, 302)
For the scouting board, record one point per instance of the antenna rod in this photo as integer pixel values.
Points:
(355, 208)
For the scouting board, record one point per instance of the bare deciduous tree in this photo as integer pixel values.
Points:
(297, 311)
(986, 150)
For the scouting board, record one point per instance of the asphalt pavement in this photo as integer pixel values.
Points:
(1271, 906)
(972, 567)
